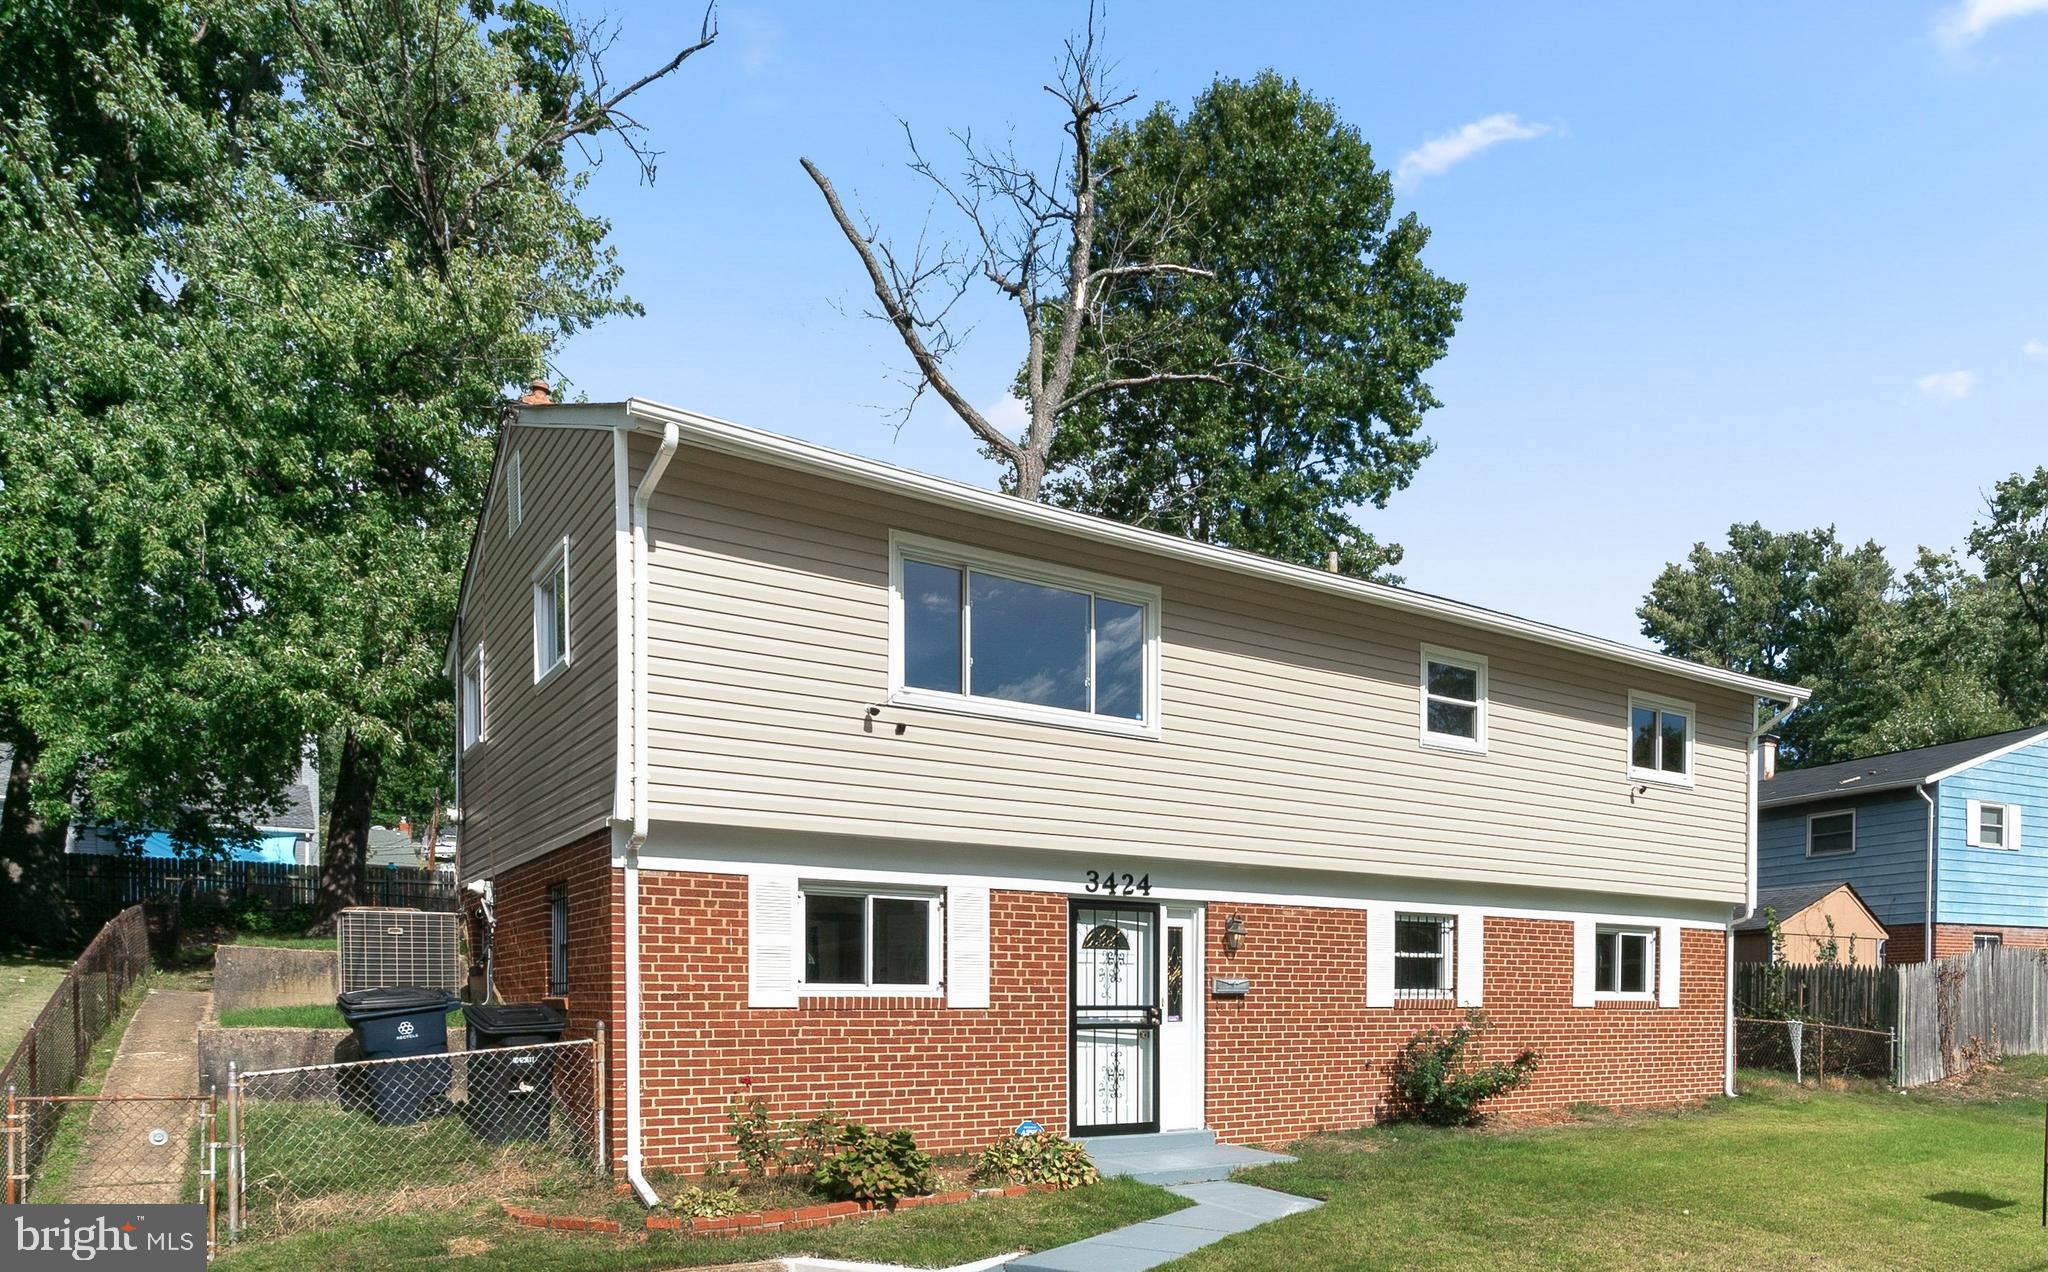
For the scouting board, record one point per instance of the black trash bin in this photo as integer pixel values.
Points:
(511, 1096)
(397, 1023)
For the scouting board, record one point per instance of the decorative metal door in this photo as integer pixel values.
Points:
(1114, 1040)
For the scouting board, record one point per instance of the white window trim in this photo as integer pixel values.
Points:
(1659, 776)
(939, 552)
(481, 663)
(1986, 941)
(1476, 663)
(1811, 818)
(2009, 825)
(515, 494)
(1446, 955)
(935, 947)
(1651, 966)
(558, 556)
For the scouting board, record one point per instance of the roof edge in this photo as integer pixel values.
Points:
(738, 439)
(1985, 758)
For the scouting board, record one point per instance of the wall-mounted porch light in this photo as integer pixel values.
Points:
(1233, 934)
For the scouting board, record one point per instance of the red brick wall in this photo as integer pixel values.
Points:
(958, 1079)
(1303, 1053)
(519, 964)
(1951, 939)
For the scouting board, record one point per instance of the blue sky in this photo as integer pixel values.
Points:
(1776, 262)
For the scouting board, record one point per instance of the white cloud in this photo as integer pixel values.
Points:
(1440, 154)
(1966, 22)
(1010, 414)
(2036, 349)
(1948, 386)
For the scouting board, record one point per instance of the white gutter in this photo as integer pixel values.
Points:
(637, 667)
(1749, 883)
(1927, 919)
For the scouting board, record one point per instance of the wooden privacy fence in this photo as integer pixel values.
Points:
(97, 885)
(1970, 1010)
(1857, 997)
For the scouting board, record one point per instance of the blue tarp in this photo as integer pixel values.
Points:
(278, 848)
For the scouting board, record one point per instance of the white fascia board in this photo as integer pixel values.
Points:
(735, 439)
(1986, 758)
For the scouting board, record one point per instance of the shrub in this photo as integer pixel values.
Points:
(876, 1167)
(700, 1202)
(809, 1143)
(757, 1140)
(1440, 1084)
(1043, 1158)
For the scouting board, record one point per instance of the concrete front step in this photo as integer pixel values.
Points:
(1220, 1209)
(1174, 1157)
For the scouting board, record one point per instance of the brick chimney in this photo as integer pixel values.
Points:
(405, 827)
(536, 394)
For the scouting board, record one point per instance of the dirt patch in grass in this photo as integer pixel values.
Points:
(468, 1247)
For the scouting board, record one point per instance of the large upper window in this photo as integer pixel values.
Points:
(1993, 825)
(551, 612)
(1015, 638)
(1453, 700)
(1622, 962)
(1659, 740)
(1829, 834)
(870, 939)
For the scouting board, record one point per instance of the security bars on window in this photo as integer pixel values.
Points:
(1425, 955)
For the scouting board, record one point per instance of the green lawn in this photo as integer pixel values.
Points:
(478, 1235)
(309, 1016)
(286, 942)
(1858, 1178)
(25, 985)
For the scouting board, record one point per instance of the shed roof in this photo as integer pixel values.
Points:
(1893, 771)
(1791, 899)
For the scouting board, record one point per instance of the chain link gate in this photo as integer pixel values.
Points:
(114, 1150)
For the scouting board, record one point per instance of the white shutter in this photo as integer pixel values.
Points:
(2012, 827)
(1471, 964)
(1972, 815)
(1583, 932)
(774, 938)
(1668, 951)
(967, 944)
(1379, 955)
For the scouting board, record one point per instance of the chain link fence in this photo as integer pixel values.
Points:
(53, 1052)
(378, 1137)
(1806, 1048)
(113, 1150)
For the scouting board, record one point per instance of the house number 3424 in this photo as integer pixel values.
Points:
(1116, 884)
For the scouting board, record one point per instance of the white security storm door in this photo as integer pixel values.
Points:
(1180, 1027)
(1114, 1038)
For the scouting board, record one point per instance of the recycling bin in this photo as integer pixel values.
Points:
(511, 1092)
(407, 1025)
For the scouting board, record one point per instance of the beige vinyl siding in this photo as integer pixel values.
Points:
(544, 772)
(1289, 719)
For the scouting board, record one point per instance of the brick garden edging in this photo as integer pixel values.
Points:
(821, 1215)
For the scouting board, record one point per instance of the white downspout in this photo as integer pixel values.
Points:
(1927, 919)
(637, 667)
(1748, 893)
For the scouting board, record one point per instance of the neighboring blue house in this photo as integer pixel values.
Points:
(290, 836)
(1868, 822)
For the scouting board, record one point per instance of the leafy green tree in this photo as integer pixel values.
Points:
(1309, 297)
(244, 431)
(1793, 607)
(2013, 545)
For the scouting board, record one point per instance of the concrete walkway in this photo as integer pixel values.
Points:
(1191, 1164)
(158, 1056)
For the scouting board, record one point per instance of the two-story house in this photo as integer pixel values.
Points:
(1934, 840)
(957, 810)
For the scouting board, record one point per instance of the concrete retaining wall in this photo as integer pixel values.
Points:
(266, 976)
(267, 1049)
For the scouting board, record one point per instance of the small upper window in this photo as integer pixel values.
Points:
(860, 939)
(558, 941)
(1830, 834)
(1453, 700)
(551, 613)
(1424, 946)
(1659, 740)
(515, 495)
(1017, 639)
(1993, 825)
(1622, 959)
(1986, 941)
(472, 705)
